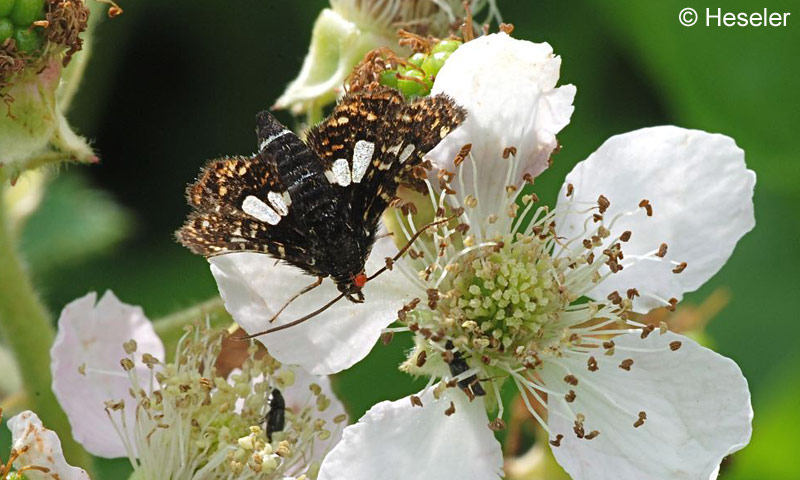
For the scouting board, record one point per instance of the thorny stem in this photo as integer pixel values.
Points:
(28, 331)
(172, 327)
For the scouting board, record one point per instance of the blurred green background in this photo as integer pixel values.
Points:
(171, 84)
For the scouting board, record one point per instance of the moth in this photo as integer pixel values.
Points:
(317, 204)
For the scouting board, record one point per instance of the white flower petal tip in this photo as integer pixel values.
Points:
(508, 87)
(675, 413)
(395, 438)
(701, 195)
(254, 287)
(42, 448)
(86, 366)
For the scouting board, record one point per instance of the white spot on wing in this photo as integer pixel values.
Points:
(362, 156)
(341, 172)
(394, 148)
(329, 176)
(268, 140)
(276, 199)
(260, 210)
(406, 152)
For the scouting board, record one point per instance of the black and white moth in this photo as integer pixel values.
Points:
(317, 205)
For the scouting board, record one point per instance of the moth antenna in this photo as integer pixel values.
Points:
(411, 242)
(294, 322)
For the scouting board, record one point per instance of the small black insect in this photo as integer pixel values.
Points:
(276, 417)
(458, 366)
(317, 205)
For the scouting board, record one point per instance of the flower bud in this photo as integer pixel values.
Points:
(415, 79)
(344, 33)
(37, 40)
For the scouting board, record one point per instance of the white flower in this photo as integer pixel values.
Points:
(36, 451)
(182, 419)
(349, 29)
(502, 296)
(85, 364)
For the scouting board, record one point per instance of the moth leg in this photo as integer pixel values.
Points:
(302, 291)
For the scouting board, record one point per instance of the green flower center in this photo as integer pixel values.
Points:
(503, 305)
(506, 296)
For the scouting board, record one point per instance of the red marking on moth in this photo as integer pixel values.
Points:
(360, 280)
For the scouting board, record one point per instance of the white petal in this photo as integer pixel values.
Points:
(714, 474)
(696, 401)
(298, 396)
(395, 440)
(508, 89)
(44, 449)
(326, 65)
(253, 287)
(90, 338)
(702, 199)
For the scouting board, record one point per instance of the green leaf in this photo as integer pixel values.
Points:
(73, 222)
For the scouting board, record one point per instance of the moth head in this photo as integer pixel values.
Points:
(351, 288)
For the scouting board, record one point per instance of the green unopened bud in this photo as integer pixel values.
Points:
(413, 82)
(447, 45)
(6, 28)
(389, 78)
(5, 7)
(25, 12)
(417, 59)
(415, 78)
(433, 63)
(28, 41)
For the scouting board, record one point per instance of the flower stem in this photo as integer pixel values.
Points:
(171, 328)
(27, 329)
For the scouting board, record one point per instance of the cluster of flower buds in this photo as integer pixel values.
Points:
(414, 78)
(19, 20)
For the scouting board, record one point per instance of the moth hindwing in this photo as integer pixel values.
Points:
(317, 205)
